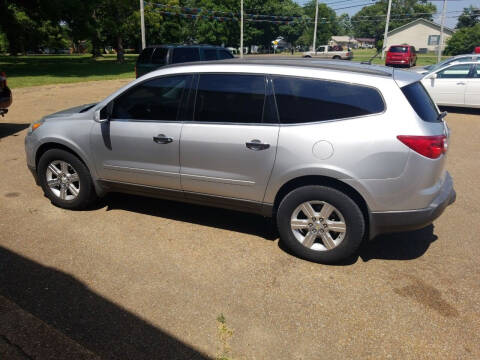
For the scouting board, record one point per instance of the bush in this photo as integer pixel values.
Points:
(463, 41)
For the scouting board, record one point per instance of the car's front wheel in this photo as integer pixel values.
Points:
(65, 180)
(320, 224)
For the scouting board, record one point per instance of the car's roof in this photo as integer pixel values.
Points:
(338, 65)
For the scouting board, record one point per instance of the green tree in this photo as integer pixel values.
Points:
(327, 24)
(464, 40)
(370, 20)
(469, 17)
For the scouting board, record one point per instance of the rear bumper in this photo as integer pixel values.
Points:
(395, 221)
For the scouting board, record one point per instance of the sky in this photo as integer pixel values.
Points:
(454, 8)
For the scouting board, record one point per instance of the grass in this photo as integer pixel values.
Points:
(35, 70)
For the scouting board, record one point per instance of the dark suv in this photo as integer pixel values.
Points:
(5, 95)
(155, 56)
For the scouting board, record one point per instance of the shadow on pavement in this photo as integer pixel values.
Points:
(399, 246)
(196, 214)
(459, 110)
(94, 322)
(7, 129)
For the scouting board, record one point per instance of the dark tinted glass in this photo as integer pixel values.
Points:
(160, 56)
(230, 98)
(301, 100)
(421, 102)
(181, 55)
(157, 99)
(223, 54)
(398, 49)
(145, 56)
(455, 72)
(210, 54)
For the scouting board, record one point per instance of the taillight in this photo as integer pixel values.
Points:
(429, 146)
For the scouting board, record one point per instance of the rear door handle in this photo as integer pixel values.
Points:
(461, 83)
(256, 145)
(162, 139)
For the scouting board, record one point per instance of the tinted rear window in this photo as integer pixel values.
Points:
(210, 54)
(301, 100)
(224, 54)
(160, 56)
(398, 49)
(181, 55)
(145, 56)
(230, 98)
(421, 102)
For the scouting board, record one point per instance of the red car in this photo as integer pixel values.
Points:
(5, 95)
(401, 55)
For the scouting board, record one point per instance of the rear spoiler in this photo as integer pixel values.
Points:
(404, 77)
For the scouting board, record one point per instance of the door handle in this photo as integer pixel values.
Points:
(256, 145)
(162, 139)
(461, 83)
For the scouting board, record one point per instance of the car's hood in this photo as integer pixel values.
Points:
(71, 111)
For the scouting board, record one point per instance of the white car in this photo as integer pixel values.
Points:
(458, 59)
(329, 52)
(457, 84)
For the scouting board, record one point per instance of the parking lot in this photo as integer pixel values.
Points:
(140, 278)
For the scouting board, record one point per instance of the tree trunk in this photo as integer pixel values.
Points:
(120, 51)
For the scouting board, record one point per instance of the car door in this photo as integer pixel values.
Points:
(228, 150)
(472, 91)
(448, 88)
(140, 143)
(320, 53)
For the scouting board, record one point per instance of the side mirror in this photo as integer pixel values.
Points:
(432, 76)
(104, 114)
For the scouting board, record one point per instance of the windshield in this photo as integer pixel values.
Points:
(398, 49)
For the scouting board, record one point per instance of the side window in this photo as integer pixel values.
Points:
(210, 54)
(321, 49)
(222, 54)
(455, 72)
(157, 99)
(476, 73)
(301, 100)
(145, 56)
(181, 55)
(160, 56)
(230, 98)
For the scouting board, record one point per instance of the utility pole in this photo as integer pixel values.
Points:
(385, 36)
(142, 24)
(241, 28)
(440, 42)
(314, 48)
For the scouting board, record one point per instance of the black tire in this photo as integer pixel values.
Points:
(86, 196)
(336, 57)
(307, 56)
(354, 220)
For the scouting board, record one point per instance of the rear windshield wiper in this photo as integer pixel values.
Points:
(441, 115)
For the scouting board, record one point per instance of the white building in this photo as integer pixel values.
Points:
(421, 33)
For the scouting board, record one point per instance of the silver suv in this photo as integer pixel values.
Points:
(335, 152)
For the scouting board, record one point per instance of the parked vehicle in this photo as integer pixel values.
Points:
(5, 95)
(401, 55)
(456, 84)
(441, 64)
(336, 152)
(154, 57)
(330, 52)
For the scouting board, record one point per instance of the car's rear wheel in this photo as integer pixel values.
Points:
(65, 180)
(336, 57)
(320, 224)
